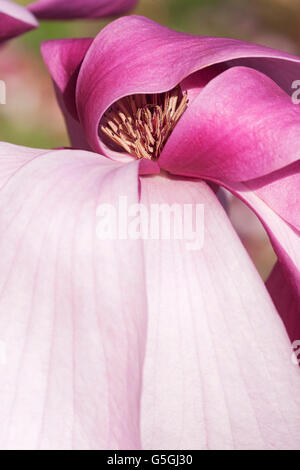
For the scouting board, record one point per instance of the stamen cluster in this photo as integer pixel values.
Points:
(141, 124)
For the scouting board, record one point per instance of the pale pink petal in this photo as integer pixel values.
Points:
(274, 199)
(74, 316)
(70, 9)
(14, 20)
(286, 243)
(218, 371)
(11, 160)
(72, 307)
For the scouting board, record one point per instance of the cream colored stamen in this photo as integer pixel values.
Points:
(141, 124)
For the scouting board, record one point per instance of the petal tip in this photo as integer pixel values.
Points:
(15, 20)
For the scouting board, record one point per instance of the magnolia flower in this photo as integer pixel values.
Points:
(141, 343)
(16, 20)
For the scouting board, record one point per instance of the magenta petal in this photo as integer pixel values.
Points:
(241, 126)
(63, 59)
(286, 296)
(153, 59)
(218, 371)
(72, 307)
(71, 9)
(281, 191)
(14, 20)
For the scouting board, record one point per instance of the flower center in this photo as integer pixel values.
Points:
(141, 124)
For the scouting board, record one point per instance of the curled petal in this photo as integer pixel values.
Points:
(281, 191)
(286, 297)
(241, 126)
(71, 9)
(63, 59)
(14, 20)
(155, 59)
(72, 307)
(216, 351)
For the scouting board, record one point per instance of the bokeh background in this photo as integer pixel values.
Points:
(31, 116)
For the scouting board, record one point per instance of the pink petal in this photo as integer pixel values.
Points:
(281, 191)
(286, 297)
(241, 126)
(231, 142)
(63, 59)
(154, 59)
(72, 307)
(75, 131)
(14, 20)
(218, 371)
(11, 160)
(286, 243)
(61, 9)
(73, 319)
(273, 199)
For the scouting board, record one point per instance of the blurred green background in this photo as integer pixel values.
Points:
(32, 118)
